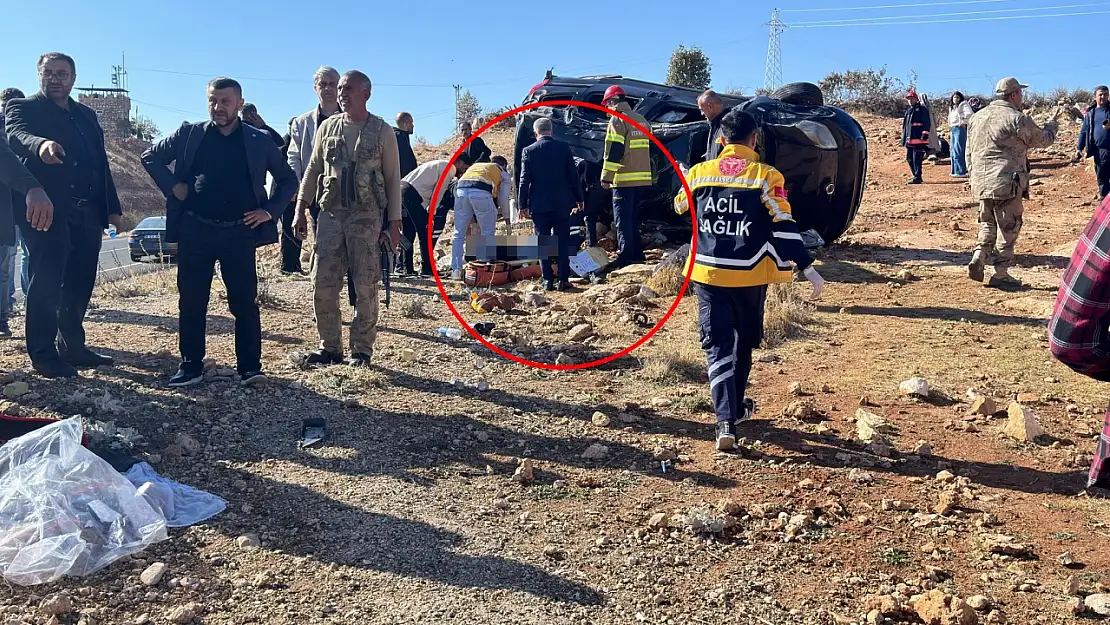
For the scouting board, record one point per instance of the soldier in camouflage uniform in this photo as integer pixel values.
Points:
(999, 137)
(355, 176)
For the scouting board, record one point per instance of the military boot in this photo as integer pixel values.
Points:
(1003, 280)
(975, 267)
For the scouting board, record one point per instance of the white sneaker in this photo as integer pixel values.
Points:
(456, 275)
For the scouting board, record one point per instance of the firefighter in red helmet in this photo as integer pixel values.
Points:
(627, 171)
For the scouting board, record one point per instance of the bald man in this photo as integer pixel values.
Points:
(713, 108)
(403, 130)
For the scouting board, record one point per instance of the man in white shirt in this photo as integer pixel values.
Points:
(416, 199)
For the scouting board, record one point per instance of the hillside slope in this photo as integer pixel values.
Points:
(138, 194)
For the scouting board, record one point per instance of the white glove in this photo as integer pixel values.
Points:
(816, 280)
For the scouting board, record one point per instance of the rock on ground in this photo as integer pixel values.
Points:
(983, 406)
(914, 387)
(938, 608)
(56, 605)
(1006, 545)
(1021, 424)
(1099, 604)
(597, 451)
(524, 473)
(184, 614)
(979, 602)
(871, 428)
(153, 574)
(248, 541)
(580, 332)
(16, 389)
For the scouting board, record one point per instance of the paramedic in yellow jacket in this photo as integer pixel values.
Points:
(475, 199)
(746, 239)
(627, 170)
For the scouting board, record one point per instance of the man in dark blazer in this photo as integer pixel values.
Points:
(403, 131)
(549, 191)
(16, 183)
(217, 209)
(62, 144)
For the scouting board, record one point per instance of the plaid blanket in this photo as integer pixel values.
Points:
(1078, 329)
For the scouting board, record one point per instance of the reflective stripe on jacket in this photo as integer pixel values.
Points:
(915, 125)
(746, 232)
(627, 151)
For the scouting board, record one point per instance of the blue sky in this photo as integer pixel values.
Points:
(415, 51)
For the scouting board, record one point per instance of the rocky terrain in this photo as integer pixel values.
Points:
(917, 455)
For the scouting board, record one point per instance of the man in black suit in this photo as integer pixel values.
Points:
(403, 131)
(62, 144)
(217, 209)
(549, 191)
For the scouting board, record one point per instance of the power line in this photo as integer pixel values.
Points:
(953, 21)
(281, 80)
(894, 6)
(168, 108)
(959, 13)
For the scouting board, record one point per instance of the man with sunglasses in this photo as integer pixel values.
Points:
(62, 144)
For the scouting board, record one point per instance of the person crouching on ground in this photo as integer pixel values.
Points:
(747, 239)
(474, 199)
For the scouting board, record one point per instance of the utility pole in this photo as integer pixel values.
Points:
(119, 74)
(772, 76)
(458, 94)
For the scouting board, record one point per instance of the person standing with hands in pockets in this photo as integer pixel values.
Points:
(746, 240)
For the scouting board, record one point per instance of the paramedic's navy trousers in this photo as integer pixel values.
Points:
(730, 326)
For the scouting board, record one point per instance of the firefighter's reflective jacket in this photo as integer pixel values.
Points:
(627, 151)
(746, 232)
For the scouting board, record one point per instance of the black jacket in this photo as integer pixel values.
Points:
(914, 126)
(549, 181)
(404, 151)
(716, 138)
(15, 182)
(28, 123)
(1093, 119)
(262, 156)
(478, 151)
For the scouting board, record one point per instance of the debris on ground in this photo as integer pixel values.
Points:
(915, 387)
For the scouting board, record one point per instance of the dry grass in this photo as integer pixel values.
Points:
(137, 284)
(668, 280)
(267, 274)
(415, 308)
(347, 381)
(787, 315)
(681, 361)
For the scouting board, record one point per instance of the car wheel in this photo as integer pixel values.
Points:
(804, 93)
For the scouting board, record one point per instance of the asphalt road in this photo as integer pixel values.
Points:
(114, 263)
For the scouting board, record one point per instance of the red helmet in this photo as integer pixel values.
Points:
(612, 92)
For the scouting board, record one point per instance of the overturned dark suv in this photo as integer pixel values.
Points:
(820, 150)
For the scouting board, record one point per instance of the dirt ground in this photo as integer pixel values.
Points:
(408, 512)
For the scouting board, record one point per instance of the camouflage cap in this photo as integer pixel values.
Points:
(1008, 85)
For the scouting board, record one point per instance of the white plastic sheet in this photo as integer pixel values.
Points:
(65, 511)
